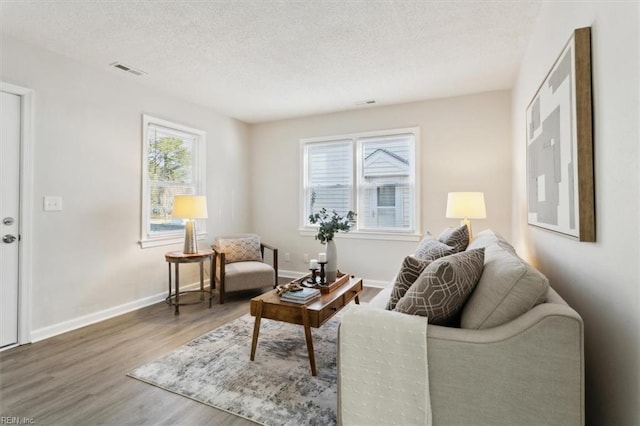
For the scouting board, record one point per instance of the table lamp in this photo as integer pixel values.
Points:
(190, 207)
(465, 206)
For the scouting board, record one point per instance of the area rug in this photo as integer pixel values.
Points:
(275, 389)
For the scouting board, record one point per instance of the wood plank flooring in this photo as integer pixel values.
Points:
(79, 378)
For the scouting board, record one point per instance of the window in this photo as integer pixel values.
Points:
(329, 176)
(371, 173)
(173, 164)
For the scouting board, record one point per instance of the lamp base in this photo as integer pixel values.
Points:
(190, 243)
(468, 223)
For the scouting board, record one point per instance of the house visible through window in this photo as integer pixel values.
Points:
(173, 164)
(372, 173)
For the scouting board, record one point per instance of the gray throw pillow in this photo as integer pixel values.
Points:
(444, 286)
(409, 271)
(458, 238)
(431, 249)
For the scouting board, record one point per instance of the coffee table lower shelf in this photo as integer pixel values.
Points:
(313, 314)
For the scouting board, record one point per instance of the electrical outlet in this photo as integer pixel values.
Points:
(305, 258)
(287, 257)
(52, 203)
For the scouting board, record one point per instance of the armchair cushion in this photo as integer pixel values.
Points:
(248, 275)
(242, 248)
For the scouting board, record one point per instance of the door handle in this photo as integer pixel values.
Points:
(8, 238)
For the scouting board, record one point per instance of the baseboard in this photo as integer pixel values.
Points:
(76, 323)
(366, 281)
(291, 274)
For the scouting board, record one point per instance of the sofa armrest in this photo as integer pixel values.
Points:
(527, 371)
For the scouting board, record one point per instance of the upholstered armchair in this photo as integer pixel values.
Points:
(238, 264)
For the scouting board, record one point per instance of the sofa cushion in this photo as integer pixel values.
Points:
(431, 249)
(409, 271)
(508, 288)
(488, 237)
(443, 287)
(458, 238)
(240, 248)
(381, 299)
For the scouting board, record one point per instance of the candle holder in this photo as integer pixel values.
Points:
(322, 275)
(312, 278)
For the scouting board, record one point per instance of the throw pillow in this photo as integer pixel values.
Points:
(239, 249)
(508, 288)
(444, 286)
(409, 271)
(458, 238)
(431, 249)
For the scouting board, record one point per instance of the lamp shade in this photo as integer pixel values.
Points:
(466, 205)
(189, 207)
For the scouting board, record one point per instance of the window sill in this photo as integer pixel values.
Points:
(364, 235)
(166, 240)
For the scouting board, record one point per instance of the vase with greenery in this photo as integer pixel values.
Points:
(328, 225)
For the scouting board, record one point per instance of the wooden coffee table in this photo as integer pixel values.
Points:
(313, 314)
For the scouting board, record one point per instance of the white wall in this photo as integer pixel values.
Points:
(600, 280)
(87, 149)
(465, 146)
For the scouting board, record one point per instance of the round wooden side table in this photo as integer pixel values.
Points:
(178, 257)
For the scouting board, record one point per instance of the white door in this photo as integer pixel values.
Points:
(9, 215)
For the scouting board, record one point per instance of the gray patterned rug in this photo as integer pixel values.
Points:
(275, 389)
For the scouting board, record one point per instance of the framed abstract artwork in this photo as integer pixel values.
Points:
(560, 189)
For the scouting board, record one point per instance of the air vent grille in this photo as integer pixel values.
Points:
(127, 68)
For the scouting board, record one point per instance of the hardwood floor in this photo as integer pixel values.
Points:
(79, 378)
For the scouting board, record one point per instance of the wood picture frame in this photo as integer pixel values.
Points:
(560, 188)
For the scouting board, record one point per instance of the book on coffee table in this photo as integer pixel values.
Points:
(302, 296)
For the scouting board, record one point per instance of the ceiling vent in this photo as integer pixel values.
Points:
(127, 68)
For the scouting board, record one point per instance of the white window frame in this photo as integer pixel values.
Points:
(357, 232)
(148, 238)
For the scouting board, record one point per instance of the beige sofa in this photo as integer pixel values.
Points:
(517, 359)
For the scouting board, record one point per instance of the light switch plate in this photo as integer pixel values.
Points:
(52, 203)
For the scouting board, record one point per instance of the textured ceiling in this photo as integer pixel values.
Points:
(266, 60)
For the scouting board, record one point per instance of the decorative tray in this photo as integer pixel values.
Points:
(341, 278)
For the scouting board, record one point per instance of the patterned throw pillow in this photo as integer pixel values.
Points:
(409, 271)
(431, 249)
(444, 286)
(239, 249)
(458, 238)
